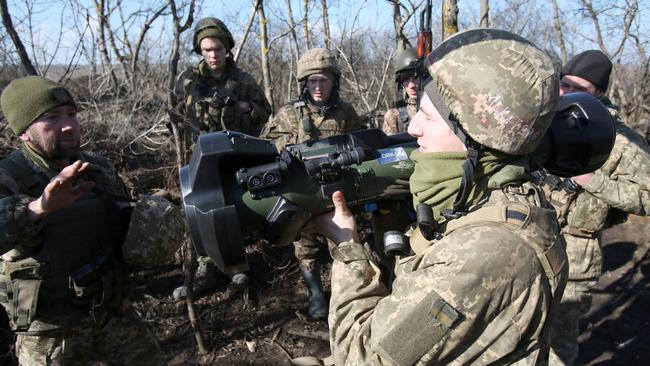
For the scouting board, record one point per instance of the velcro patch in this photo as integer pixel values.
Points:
(418, 329)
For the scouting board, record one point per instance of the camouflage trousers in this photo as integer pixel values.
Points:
(307, 249)
(123, 340)
(585, 267)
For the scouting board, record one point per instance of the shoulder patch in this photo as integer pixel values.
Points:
(419, 330)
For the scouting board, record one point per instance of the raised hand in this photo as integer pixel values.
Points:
(61, 191)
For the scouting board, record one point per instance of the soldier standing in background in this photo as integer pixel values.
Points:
(317, 113)
(489, 264)
(406, 76)
(585, 204)
(217, 96)
(64, 215)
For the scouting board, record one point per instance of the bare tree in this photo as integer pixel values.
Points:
(20, 48)
(305, 24)
(100, 7)
(558, 30)
(295, 48)
(326, 23)
(247, 31)
(449, 18)
(264, 51)
(399, 23)
(485, 13)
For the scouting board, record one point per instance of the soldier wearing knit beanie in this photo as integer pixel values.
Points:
(27, 98)
(587, 72)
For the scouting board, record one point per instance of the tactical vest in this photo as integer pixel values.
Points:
(74, 266)
(212, 105)
(318, 122)
(516, 218)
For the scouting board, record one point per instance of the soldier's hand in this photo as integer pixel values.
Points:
(61, 191)
(340, 225)
(583, 179)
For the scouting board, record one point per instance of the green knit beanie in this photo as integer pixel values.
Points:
(27, 98)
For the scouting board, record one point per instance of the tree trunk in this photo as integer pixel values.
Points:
(449, 18)
(558, 30)
(326, 23)
(249, 25)
(264, 51)
(20, 48)
(485, 13)
(401, 40)
(305, 24)
(106, 58)
(295, 48)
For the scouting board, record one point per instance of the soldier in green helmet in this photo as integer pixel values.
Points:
(217, 96)
(489, 265)
(64, 215)
(406, 76)
(318, 112)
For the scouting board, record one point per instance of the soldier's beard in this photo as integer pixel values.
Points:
(65, 146)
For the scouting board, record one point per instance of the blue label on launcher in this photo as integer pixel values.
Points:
(388, 156)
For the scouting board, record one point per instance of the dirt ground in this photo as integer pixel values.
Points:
(265, 324)
(270, 327)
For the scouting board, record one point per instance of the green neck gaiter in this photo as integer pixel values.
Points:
(49, 166)
(437, 176)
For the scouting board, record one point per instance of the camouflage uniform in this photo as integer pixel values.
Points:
(622, 183)
(454, 303)
(61, 281)
(197, 86)
(482, 288)
(286, 127)
(393, 121)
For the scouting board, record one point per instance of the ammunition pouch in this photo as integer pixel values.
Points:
(19, 292)
(26, 290)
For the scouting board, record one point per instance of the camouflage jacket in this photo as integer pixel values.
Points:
(393, 120)
(15, 228)
(481, 294)
(286, 126)
(623, 182)
(211, 104)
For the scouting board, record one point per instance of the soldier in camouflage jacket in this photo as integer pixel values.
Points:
(64, 216)
(396, 119)
(316, 114)
(489, 264)
(622, 184)
(217, 96)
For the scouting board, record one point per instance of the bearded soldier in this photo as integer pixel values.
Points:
(63, 220)
(319, 112)
(587, 204)
(489, 264)
(217, 96)
(406, 76)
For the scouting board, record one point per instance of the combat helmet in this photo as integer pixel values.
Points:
(315, 61)
(406, 63)
(494, 88)
(211, 27)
